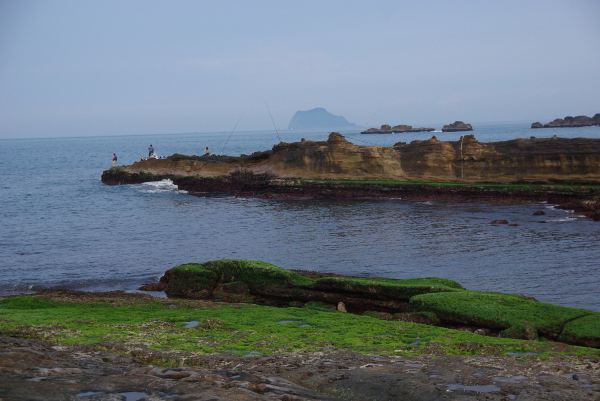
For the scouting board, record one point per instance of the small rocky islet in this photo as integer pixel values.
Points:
(396, 129)
(405, 128)
(570, 122)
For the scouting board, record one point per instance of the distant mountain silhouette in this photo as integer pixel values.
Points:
(317, 118)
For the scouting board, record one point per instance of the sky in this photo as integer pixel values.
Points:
(106, 67)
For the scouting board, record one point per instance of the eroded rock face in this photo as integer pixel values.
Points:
(570, 122)
(467, 159)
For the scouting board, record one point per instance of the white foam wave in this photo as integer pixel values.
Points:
(154, 187)
(562, 220)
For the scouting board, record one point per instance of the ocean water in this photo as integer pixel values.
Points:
(60, 226)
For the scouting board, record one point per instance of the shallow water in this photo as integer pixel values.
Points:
(62, 227)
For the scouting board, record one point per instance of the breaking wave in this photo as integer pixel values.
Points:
(161, 186)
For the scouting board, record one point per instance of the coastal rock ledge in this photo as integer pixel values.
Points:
(555, 170)
(518, 160)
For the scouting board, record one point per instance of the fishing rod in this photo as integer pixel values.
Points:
(273, 121)
(230, 134)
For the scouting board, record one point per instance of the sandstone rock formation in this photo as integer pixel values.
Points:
(457, 126)
(542, 159)
(339, 169)
(570, 122)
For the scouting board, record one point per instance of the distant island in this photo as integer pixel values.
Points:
(457, 126)
(317, 118)
(570, 122)
(388, 129)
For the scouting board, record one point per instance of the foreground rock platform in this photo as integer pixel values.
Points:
(103, 346)
(32, 370)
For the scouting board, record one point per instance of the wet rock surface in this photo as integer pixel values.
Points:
(32, 370)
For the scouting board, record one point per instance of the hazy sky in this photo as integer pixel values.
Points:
(139, 67)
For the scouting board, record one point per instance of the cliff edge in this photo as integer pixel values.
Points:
(535, 159)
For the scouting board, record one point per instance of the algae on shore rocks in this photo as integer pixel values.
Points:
(446, 301)
(260, 282)
(133, 321)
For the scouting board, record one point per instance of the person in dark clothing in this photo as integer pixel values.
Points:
(114, 160)
(150, 150)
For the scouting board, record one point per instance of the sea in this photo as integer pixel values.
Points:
(61, 227)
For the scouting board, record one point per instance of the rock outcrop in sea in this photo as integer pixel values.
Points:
(396, 129)
(565, 172)
(457, 126)
(533, 159)
(570, 122)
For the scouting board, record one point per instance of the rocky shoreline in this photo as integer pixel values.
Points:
(35, 366)
(582, 200)
(32, 370)
(559, 171)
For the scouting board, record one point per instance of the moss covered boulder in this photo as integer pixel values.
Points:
(513, 316)
(435, 301)
(584, 330)
(261, 282)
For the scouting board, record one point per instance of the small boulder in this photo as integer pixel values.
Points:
(539, 213)
(341, 307)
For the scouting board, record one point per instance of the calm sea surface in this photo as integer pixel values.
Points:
(60, 226)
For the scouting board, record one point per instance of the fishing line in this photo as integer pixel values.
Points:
(273, 121)
(230, 134)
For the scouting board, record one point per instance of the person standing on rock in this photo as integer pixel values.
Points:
(150, 150)
(114, 160)
(206, 152)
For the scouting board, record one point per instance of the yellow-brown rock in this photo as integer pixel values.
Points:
(548, 159)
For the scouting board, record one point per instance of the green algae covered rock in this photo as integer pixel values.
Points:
(583, 331)
(261, 282)
(512, 315)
